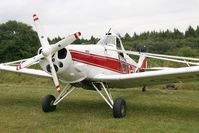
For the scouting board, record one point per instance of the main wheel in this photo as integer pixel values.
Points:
(47, 103)
(119, 108)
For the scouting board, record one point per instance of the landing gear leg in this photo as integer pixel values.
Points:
(118, 106)
(49, 102)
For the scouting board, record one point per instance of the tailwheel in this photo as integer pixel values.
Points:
(47, 103)
(119, 108)
(144, 88)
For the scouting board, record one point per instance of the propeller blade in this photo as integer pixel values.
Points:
(54, 74)
(29, 62)
(65, 42)
(42, 38)
(49, 50)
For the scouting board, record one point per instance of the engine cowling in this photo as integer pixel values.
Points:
(66, 69)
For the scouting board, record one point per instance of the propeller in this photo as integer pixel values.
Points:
(48, 50)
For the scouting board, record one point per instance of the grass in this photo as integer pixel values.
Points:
(84, 111)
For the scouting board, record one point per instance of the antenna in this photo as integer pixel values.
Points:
(109, 30)
(108, 33)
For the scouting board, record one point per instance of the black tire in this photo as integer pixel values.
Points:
(119, 108)
(47, 103)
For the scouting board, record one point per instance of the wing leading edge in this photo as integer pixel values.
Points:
(174, 75)
(34, 72)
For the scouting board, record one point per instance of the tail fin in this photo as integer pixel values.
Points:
(142, 64)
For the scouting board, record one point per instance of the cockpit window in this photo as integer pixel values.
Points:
(118, 44)
(107, 40)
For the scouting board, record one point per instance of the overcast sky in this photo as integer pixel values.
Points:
(93, 17)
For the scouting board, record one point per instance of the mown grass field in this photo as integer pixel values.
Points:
(84, 111)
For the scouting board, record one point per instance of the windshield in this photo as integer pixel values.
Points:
(107, 40)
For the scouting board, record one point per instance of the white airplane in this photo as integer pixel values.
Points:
(98, 67)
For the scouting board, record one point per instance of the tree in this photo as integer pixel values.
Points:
(93, 40)
(187, 51)
(190, 32)
(178, 34)
(54, 40)
(17, 41)
(197, 31)
(127, 37)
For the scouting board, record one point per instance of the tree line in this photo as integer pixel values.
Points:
(171, 42)
(18, 40)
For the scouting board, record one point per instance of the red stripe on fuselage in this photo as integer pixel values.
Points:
(98, 60)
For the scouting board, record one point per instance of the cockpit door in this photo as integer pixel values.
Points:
(122, 60)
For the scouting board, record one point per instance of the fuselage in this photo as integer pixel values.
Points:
(80, 62)
(98, 60)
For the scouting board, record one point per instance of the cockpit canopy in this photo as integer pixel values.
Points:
(111, 40)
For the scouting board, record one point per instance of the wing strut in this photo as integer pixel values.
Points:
(178, 59)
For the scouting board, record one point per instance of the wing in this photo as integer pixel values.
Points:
(157, 68)
(174, 75)
(34, 72)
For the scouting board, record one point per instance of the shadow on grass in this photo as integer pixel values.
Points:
(97, 107)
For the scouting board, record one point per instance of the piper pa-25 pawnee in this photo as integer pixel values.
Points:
(98, 67)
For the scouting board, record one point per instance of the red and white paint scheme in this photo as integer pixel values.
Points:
(98, 67)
